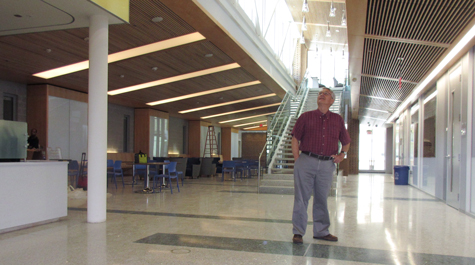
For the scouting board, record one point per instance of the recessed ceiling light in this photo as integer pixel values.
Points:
(227, 103)
(157, 19)
(253, 127)
(249, 117)
(149, 48)
(203, 93)
(242, 110)
(209, 55)
(122, 76)
(244, 124)
(154, 68)
(48, 50)
(174, 79)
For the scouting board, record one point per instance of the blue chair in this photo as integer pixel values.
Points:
(73, 171)
(252, 165)
(118, 172)
(171, 174)
(110, 170)
(229, 167)
(139, 170)
(240, 166)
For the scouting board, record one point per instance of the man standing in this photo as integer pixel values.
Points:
(316, 133)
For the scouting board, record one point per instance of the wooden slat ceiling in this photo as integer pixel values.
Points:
(416, 32)
(26, 54)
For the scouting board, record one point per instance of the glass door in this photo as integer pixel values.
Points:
(372, 149)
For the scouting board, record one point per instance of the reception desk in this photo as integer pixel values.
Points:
(32, 193)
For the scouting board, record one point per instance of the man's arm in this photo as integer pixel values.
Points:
(295, 148)
(338, 158)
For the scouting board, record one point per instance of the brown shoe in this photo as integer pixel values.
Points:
(328, 237)
(297, 239)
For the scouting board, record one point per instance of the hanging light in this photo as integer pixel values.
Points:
(304, 24)
(343, 19)
(329, 34)
(332, 10)
(302, 39)
(305, 6)
(331, 51)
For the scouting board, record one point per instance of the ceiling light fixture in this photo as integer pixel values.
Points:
(343, 18)
(304, 24)
(174, 79)
(329, 34)
(157, 19)
(332, 10)
(149, 48)
(154, 68)
(203, 93)
(227, 103)
(305, 6)
(415, 92)
(253, 127)
(242, 110)
(244, 124)
(249, 117)
(208, 55)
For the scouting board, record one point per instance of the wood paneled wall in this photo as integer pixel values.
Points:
(37, 111)
(142, 128)
(194, 138)
(252, 145)
(226, 142)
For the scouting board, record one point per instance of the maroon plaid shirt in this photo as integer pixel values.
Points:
(319, 133)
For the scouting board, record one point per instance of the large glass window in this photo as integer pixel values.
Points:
(372, 155)
(413, 144)
(429, 163)
(158, 137)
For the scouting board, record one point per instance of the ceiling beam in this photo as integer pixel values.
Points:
(356, 21)
(390, 79)
(427, 43)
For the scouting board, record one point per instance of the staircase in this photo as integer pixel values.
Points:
(280, 178)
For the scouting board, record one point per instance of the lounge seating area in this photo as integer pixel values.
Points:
(186, 167)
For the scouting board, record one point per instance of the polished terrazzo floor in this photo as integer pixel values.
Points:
(214, 222)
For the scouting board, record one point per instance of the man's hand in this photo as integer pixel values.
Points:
(338, 158)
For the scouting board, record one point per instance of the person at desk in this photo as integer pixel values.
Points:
(33, 140)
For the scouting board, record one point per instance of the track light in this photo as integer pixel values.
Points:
(304, 24)
(329, 34)
(343, 19)
(305, 6)
(332, 10)
(302, 39)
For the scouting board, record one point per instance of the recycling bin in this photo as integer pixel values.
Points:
(401, 175)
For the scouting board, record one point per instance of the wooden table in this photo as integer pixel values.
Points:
(147, 188)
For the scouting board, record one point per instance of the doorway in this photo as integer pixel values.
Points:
(454, 137)
(372, 152)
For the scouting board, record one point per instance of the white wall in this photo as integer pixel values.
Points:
(67, 127)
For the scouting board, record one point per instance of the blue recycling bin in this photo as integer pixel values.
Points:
(401, 175)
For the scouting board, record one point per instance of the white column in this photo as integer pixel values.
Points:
(97, 119)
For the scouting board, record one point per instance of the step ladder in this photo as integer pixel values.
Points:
(211, 144)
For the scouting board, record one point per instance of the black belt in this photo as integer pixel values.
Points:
(317, 156)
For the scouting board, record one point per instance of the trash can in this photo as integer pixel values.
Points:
(401, 175)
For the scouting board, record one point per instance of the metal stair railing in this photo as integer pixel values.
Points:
(280, 123)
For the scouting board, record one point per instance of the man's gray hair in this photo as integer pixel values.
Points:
(331, 91)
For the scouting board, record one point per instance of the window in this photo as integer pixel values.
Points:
(9, 107)
(126, 133)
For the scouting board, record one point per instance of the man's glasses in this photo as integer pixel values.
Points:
(324, 93)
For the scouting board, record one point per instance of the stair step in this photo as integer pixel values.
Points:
(276, 190)
(277, 182)
(282, 170)
(284, 164)
(278, 176)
